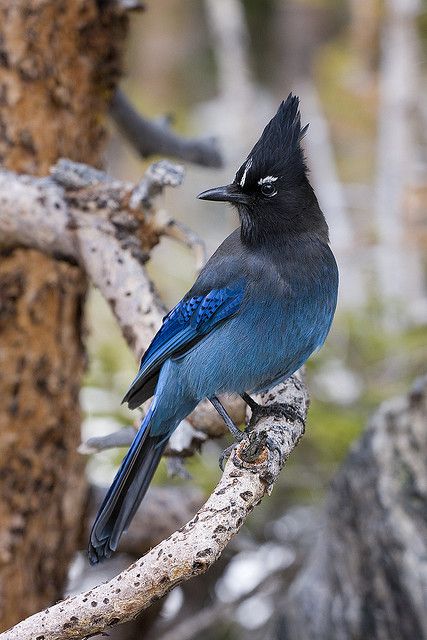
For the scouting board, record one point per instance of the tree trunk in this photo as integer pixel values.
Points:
(399, 270)
(367, 574)
(59, 62)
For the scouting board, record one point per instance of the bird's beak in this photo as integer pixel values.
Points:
(229, 193)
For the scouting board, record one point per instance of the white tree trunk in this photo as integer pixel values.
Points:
(397, 265)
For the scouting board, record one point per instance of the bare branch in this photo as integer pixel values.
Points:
(107, 227)
(180, 232)
(203, 422)
(183, 442)
(121, 438)
(158, 176)
(195, 547)
(151, 138)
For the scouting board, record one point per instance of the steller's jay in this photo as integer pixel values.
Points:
(262, 304)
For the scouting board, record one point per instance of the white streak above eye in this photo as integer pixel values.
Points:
(247, 167)
(267, 179)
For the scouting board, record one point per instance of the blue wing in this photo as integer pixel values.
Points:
(192, 319)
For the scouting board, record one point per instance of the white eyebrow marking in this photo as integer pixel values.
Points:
(267, 179)
(247, 167)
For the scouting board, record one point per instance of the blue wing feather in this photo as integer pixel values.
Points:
(188, 322)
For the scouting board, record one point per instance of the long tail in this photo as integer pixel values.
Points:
(126, 492)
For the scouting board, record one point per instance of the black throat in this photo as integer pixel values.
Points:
(262, 227)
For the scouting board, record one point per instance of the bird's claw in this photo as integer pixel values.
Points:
(274, 409)
(224, 455)
(272, 446)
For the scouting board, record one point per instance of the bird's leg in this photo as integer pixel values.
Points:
(275, 409)
(250, 401)
(234, 430)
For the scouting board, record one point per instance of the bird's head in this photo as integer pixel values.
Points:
(271, 190)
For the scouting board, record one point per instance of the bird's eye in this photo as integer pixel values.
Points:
(267, 189)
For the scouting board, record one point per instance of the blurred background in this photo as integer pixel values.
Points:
(220, 68)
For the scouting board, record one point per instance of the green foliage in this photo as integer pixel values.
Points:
(331, 429)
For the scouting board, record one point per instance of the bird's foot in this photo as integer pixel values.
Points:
(272, 446)
(224, 455)
(254, 452)
(275, 409)
(256, 445)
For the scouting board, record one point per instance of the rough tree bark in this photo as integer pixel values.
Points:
(367, 574)
(59, 63)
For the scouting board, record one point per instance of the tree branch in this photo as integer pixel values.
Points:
(151, 138)
(120, 438)
(195, 547)
(108, 227)
(183, 442)
(203, 422)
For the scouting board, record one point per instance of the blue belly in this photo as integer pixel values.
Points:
(262, 345)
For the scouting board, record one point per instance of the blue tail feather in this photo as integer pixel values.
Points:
(126, 492)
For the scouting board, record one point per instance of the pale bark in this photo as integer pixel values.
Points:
(398, 269)
(56, 218)
(107, 227)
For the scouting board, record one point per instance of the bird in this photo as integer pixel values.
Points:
(262, 304)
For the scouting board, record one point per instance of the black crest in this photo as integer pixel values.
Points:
(278, 151)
